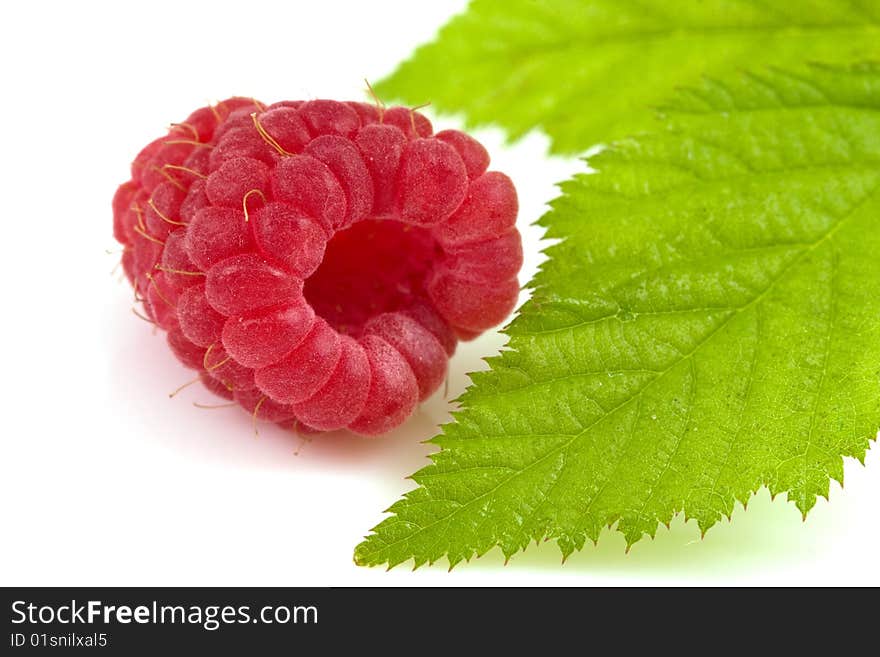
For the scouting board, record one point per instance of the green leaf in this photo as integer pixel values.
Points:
(586, 71)
(710, 324)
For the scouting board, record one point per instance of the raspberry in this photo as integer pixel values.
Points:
(246, 282)
(309, 186)
(199, 322)
(316, 262)
(340, 400)
(214, 234)
(416, 344)
(393, 392)
(292, 240)
(234, 178)
(259, 340)
(302, 372)
(431, 182)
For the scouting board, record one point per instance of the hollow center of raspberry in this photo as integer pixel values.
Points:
(376, 266)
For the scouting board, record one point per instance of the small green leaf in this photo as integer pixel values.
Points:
(710, 324)
(586, 71)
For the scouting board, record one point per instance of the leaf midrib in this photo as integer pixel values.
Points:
(563, 447)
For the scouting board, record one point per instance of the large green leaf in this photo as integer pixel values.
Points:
(586, 71)
(710, 324)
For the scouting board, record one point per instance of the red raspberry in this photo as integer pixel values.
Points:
(317, 261)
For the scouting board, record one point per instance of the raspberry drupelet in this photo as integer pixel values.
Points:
(317, 261)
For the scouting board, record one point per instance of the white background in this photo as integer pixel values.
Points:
(107, 481)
